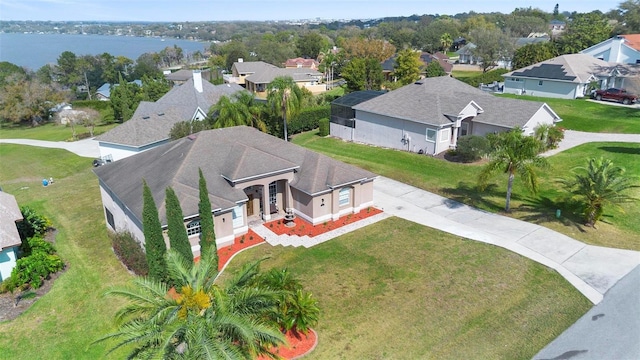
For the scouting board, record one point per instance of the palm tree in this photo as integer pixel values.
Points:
(446, 41)
(600, 184)
(199, 319)
(239, 109)
(513, 153)
(284, 98)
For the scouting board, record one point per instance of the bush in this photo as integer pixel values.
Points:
(549, 136)
(308, 119)
(33, 224)
(324, 127)
(472, 147)
(129, 251)
(32, 270)
(486, 78)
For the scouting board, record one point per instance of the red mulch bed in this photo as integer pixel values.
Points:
(298, 345)
(302, 227)
(239, 243)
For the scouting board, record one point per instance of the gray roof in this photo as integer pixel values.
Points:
(436, 101)
(152, 122)
(9, 214)
(267, 75)
(225, 156)
(576, 68)
(531, 40)
(251, 67)
(180, 75)
(467, 49)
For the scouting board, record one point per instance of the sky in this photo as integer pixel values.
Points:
(227, 10)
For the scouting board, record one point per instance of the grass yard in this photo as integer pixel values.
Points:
(63, 323)
(618, 229)
(590, 116)
(398, 290)
(49, 131)
(459, 74)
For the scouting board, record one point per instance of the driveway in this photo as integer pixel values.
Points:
(574, 138)
(85, 148)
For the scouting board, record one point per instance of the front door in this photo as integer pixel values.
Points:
(250, 205)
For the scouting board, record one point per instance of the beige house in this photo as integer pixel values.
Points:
(255, 76)
(251, 176)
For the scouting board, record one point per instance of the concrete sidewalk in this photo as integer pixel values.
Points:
(85, 148)
(591, 269)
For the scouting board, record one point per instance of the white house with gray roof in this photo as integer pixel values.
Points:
(9, 237)
(249, 174)
(152, 122)
(428, 116)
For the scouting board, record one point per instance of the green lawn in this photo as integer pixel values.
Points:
(398, 290)
(63, 323)
(619, 228)
(583, 115)
(458, 74)
(49, 131)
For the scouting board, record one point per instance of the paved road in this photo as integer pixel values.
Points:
(85, 148)
(610, 330)
(591, 269)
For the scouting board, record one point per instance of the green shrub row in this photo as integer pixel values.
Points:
(31, 271)
(308, 119)
(486, 78)
(129, 252)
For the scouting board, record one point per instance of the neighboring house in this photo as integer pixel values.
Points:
(429, 116)
(152, 121)
(182, 76)
(465, 54)
(532, 39)
(621, 49)
(342, 123)
(255, 76)
(566, 76)
(250, 176)
(9, 237)
(302, 63)
(557, 27)
(104, 92)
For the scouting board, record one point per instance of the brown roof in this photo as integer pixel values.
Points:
(632, 40)
(301, 62)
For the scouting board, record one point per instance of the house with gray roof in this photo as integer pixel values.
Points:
(566, 76)
(429, 115)
(255, 76)
(152, 121)
(250, 176)
(10, 241)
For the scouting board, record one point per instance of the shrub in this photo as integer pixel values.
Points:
(32, 270)
(549, 136)
(33, 224)
(129, 251)
(308, 119)
(486, 78)
(472, 147)
(324, 127)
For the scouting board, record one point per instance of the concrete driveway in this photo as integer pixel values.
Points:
(85, 148)
(574, 138)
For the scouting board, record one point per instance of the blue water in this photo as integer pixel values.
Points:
(36, 50)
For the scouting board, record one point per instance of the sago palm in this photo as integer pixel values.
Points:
(600, 184)
(513, 153)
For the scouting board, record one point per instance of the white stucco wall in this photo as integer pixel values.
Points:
(118, 152)
(541, 117)
(549, 88)
(481, 129)
(341, 131)
(8, 259)
(121, 220)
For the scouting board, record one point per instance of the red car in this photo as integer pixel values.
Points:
(620, 95)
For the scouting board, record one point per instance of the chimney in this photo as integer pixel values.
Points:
(197, 81)
(240, 59)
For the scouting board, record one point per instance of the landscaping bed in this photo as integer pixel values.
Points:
(302, 227)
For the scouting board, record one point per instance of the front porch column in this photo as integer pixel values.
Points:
(266, 207)
(287, 197)
(335, 204)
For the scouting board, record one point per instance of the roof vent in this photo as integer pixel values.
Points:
(192, 137)
(160, 114)
(145, 117)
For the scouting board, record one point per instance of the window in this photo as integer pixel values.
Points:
(431, 135)
(110, 220)
(238, 217)
(345, 194)
(540, 83)
(464, 129)
(193, 228)
(273, 192)
(445, 135)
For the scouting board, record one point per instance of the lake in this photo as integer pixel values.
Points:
(36, 50)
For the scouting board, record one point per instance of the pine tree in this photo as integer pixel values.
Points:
(178, 238)
(207, 234)
(155, 246)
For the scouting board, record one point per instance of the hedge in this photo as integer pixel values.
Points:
(308, 119)
(486, 78)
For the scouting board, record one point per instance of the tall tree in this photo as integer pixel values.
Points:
(208, 246)
(154, 89)
(584, 31)
(377, 49)
(311, 44)
(492, 46)
(513, 153)
(239, 109)
(28, 100)
(446, 41)
(202, 320)
(533, 53)
(178, 238)
(407, 67)
(629, 12)
(600, 184)
(285, 99)
(363, 74)
(66, 69)
(155, 246)
(124, 99)
(434, 69)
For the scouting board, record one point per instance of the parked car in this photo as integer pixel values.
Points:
(620, 95)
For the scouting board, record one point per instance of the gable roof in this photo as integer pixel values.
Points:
(180, 75)
(250, 67)
(267, 75)
(225, 156)
(9, 214)
(302, 62)
(152, 122)
(438, 101)
(576, 68)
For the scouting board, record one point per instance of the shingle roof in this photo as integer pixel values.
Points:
(252, 66)
(9, 214)
(434, 101)
(577, 68)
(152, 122)
(267, 75)
(180, 75)
(235, 153)
(302, 62)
